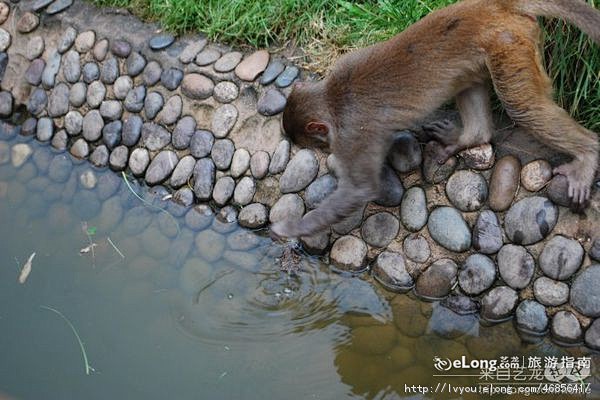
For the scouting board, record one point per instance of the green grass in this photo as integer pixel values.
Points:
(325, 28)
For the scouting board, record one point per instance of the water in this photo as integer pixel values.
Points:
(170, 321)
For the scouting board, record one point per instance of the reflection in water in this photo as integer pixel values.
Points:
(189, 306)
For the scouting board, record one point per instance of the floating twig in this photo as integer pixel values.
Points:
(115, 247)
(26, 270)
(212, 282)
(88, 367)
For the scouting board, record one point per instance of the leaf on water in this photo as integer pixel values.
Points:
(87, 249)
(26, 270)
(91, 230)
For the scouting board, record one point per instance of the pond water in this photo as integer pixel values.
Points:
(169, 306)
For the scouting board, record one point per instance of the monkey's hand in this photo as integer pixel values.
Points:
(285, 229)
(580, 181)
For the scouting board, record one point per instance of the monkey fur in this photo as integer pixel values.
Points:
(452, 53)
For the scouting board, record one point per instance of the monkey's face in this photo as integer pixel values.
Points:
(302, 119)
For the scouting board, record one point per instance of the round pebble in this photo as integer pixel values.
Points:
(85, 41)
(390, 270)
(516, 266)
(287, 77)
(252, 65)
(120, 48)
(289, 206)
(207, 57)
(33, 74)
(535, 175)
(135, 64)
(225, 92)
(530, 220)
(100, 50)
(152, 73)
(5, 40)
(592, 335)
(154, 136)
(161, 166)
(416, 248)
(240, 162)
(95, 94)
(183, 171)
(223, 190)
(498, 304)
(487, 233)
(92, 125)
(228, 61)
(45, 129)
(191, 50)
(349, 253)
(566, 329)
(300, 172)
(162, 41)
(259, 165)
(437, 280)
(73, 123)
(558, 191)
(201, 143)
(550, 292)
(273, 70)
(253, 216)
(477, 274)
(531, 318)
(153, 103)
(138, 161)
(467, 190)
(4, 11)
(504, 183)
(35, 47)
(171, 111)
(413, 209)
(270, 103)
(58, 101)
(281, 157)
(561, 257)
(204, 178)
(37, 101)
(585, 296)
(448, 228)
(479, 157)
(171, 79)
(320, 189)
(380, 229)
(222, 153)
(223, 120)
(77, 94)
(28, 22)
(118, 158)
(134, 101)
(80, 149)
(183, 132)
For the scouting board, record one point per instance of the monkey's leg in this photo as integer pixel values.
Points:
(475, 112)
(525, 90)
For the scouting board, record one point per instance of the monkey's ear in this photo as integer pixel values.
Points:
(317, 128)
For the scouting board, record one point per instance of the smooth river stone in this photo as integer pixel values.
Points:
(467, 190)
(550, 292)
(406, 154)
(228, 61)
(487, 233)
(585, 296)
(183, 171)
(223, 120)
(535, 175)
(531, 318)
(300, 172)
(183, 132)
(222, 153)
(561, 257)
(498, 304)
(289, 207)
(390, 270)
(138, 161)
(558, 191)
(349, 253)
(448, 228)
(154, 136)
(416, 248)
(380, 229)
(566, 329)
(271, 103)
(530, 220)
(317, 191)
(479, 157)
(240, 163)
(197, 86)
(253, 216)
(504, 183)
(204, 178)
(281, 157)
(161, 166)
(162, 41)
(191, 50)
(592, 335)
(437, 280)
(273, 70)
(253, 65)
(477, 274)
(516, 266)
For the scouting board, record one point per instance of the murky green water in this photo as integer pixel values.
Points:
(175, 318)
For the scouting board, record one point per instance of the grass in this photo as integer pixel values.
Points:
(323, 29)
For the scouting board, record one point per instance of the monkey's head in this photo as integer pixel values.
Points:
(306, 119)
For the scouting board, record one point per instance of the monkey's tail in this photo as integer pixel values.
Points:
(577, 12)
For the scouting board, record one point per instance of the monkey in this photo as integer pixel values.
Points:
(452, 53)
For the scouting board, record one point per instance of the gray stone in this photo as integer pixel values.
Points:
(210, 245)
(280, 158)
(91, 72)
(73, 123)
(35, 48)
(535, 175)
(558, 191)
(207, 57)
(252, 65)
(199, 217)
(201, 143)
(183, 171)
(111, 110)
(122, 86)
(45, 129)
(161, 166)
(259, 165)
(132, 130)
(434, 172)
(289, 75)
(498, 304)
(448, 228)
(80, 149)
(58, 6)
(100, 50)
(29, 127)
(6, 104)
(37, 101)
(223, 120)
(592, 335)
(111, 134)
(204, 178)
(228, 61)
(3, 64)
(300, 171)
(240, 162)
(135, 64)
(566, 329)
(391, 189)
(171, 111)
(197, 86)
(531, 317)
(118, 158)
(184, 197)
(71, 67)
(60, 168)
(154, 136)
(416, 248)
(226, 220)
(67, 39)
(479, 157)
(504, 182)
(225, 92)
(406, 154)
(153, 104)
(134, 101)
(390, 270)
(585, 296)
(138, 161)
(183, 132)
(550, 292)
(487, 234)
(271, 103)
(594, 252)
(244, 191)
(253, 216)
(530, 220)
(561, 257)
(51, 69)
(317, 191)
(152, 73)
(349, 253)
(222, 153)
(437, 280)
(191, 50)
(467, 190)
(380, 229)
(85, 41)
(28, 22)
(58, 101)
(99, 156)
(273, 70)
(110, 71)
(95, 94)
(171, 78)
(88, 179)
(33, 74)
(413, 209)
(92, 125)
(288, 207)
(120, 48)
(77, 94)
(223, 190)
(516, 266)
(161, 41)
(477, 274)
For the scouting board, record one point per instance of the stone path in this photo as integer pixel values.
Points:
(203, 121)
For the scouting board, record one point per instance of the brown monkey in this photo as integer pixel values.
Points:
(452, 53)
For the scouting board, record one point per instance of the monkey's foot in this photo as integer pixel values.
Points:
(444, 131)
(580, 181)
(285, 230)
